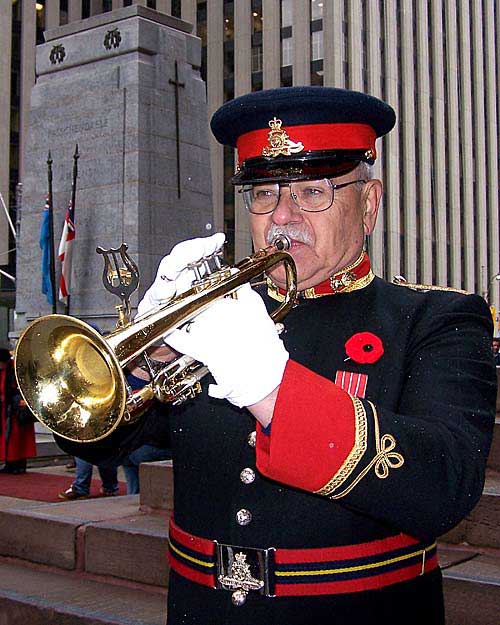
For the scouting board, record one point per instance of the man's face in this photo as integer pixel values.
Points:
(322, 242)
(496, 347)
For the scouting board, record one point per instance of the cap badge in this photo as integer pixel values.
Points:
(279, 142)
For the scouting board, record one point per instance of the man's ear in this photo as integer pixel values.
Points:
(372, 193)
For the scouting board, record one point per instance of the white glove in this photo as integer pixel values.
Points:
(238, 341)
(173, 277)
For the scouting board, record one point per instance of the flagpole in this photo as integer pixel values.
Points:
(51, 230)
(76, 156)
(7, 216)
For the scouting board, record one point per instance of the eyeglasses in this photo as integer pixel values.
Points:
(312, 196)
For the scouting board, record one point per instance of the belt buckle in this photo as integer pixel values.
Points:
(242, 569)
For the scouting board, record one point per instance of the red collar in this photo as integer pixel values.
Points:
(351, 278)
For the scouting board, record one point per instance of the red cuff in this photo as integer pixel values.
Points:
(313, 431)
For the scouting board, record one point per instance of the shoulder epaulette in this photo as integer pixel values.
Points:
(399, 281)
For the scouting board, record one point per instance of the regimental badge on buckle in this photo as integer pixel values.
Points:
(242, 569)
(279, 142)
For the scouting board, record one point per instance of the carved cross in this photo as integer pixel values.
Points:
(177, 84)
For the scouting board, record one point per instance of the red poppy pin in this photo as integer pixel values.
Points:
(364, 348)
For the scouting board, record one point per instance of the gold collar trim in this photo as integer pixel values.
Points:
(354, 277)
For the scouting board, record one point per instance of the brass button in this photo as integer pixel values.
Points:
(243, 517)
(247, 476)
(252, 438)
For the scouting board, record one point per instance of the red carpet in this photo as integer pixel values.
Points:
(44, 486)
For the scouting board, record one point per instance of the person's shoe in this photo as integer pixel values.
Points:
(72, 494)
(108, 493)
(7, 469)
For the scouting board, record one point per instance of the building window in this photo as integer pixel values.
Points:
(286, 51)
(175, 9)
(316, 10)
(256, 59)
(317, 45)
(256, 16)
(286, 13)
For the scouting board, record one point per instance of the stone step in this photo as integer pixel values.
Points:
(39, 596)
(482, 526)
(106, 536)
(88, 551)
(157, 485)
(471, 582)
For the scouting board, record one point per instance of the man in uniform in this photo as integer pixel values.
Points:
(315, 472)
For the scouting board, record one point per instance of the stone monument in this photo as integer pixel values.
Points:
(125, 87)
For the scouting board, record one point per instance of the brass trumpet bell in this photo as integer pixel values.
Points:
(70, 378)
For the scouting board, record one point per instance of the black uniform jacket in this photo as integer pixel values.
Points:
(382, 425)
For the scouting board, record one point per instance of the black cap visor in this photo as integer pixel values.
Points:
(307, 166)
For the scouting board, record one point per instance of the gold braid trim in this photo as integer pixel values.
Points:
(399, 281)
(384, 459)
(361, 283)
(356, 453)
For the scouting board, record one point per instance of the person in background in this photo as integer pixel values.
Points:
(80, 489)
(146, 453)
(151, 451)
(17, 435)
(496, 350)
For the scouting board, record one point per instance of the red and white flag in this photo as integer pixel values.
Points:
(65, 253)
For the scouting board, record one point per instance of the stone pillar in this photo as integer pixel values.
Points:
(333, 44)
(301, 43)
(407, 130)
(5, 37)
(51, 14)
(374, 75)
(114, 97)
(75, 10)
(96, 7)
(355, 46)
(392, 212)
(271, 44)
(439, 140)
(425, 152)
(28, 43)
(242, 85)
(466, 145)
(453, 144)
(188, 12)
(164, 6)
(480, 180)
(215, 96)
(492, 68)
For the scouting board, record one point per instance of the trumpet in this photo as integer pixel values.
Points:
(73, 379)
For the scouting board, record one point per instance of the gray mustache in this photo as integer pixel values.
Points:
(292, 232)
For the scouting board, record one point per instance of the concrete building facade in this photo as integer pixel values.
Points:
(435, 61)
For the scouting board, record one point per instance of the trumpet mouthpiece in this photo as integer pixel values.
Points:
(281, 242)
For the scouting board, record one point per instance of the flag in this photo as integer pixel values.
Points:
(65, 253)
(45, 247)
